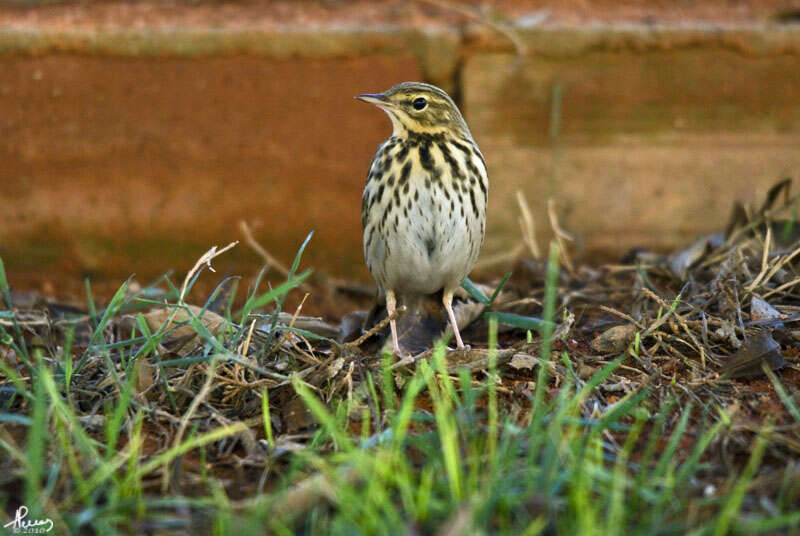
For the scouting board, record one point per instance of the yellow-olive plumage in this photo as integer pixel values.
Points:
(423, 211)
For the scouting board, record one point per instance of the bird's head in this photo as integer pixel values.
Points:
(419, 108)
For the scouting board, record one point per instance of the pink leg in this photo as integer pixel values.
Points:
(447, 299)
(391, 305)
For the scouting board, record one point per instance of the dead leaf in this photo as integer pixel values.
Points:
(313, 324)
(523, 361)
(728, 331)
(327, 373)
(92, 422)
(467, 312)
(145, 374)
(10, 357)
(762, 310)
(614, 340)
(781, 187)
(746, 362)
(767, 317)
(179, 335)
(585, 371)
(476, 359)
(352, 326)
(680, 262)
(295, 415)
(563, 328)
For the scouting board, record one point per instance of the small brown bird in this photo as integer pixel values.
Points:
(423, 211)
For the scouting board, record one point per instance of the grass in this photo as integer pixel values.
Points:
(425, 448)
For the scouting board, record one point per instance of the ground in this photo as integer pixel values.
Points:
(657, 396)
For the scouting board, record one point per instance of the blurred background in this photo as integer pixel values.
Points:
(136, 135)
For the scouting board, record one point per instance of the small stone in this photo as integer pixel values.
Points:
(614, 340)
(523, 361)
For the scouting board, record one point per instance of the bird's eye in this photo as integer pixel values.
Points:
(419, 103)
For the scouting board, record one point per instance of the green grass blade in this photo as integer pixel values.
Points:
(492, 394)
(322, 415)
(186, 446)
(273, 294)
(36, 441)
(266, 418)
(784, 396)
(109, 312)
(668, 453)
(474, 291)
(551, 287)
(499, 288)
(734, 500)
(6, 291)
(519, 321)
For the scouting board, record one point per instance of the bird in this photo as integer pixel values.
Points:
(423, 210)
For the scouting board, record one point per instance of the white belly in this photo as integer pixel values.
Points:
(433, 247)
(425, 235)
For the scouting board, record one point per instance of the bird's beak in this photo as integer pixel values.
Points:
(378, 99)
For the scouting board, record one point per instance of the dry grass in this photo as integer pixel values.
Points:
(644, 401)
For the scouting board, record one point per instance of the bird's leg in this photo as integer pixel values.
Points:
(391, 304)
(447, 299)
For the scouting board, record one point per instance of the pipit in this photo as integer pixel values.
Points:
(423, 211)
